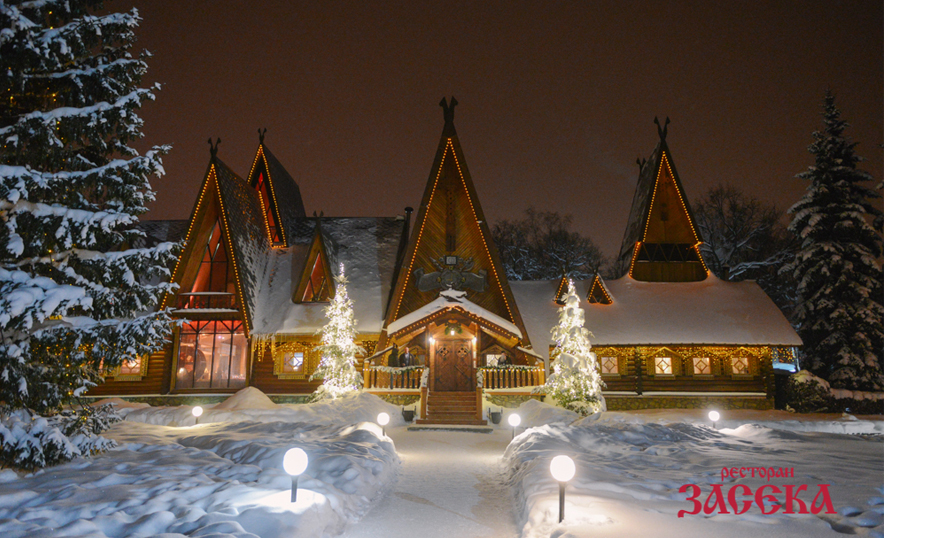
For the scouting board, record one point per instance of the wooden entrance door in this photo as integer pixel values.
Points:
(453, 365)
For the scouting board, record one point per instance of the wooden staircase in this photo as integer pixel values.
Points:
(452, 408)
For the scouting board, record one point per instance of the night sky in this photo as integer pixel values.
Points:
(556, 100)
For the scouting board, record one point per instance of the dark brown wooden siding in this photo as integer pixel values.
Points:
(152, 383)
(263, 378)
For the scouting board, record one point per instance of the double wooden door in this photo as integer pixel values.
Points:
(453, 369)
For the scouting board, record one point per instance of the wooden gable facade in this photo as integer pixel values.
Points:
(452, 302)
(661, 242)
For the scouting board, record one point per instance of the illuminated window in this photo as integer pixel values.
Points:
(663, 366)
(293, 362)
(609, 365)
(131, 367)
(214, 274)
(701, 366)
(494, 359)
(317, 289)
(741, 365)
(212, 355)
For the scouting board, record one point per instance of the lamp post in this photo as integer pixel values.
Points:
(562, 469)
(383, 419)
(295, 462)
(714, 417)
(196, 412)
(514, 421)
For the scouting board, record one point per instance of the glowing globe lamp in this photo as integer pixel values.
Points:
(514, 421)
(714, 417)
(295, 462)
(196, 412)
(562, 469)
(383, 419)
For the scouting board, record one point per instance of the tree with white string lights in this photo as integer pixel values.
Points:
(574, 383)
(338, 353)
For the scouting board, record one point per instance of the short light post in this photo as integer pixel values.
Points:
(295, 463)
(196, 412)
(714, 417)
(563, 469)
(383, 419)
(514, 421)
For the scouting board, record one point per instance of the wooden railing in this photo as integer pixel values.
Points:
(385, 378)
(512, 377)
(207, 300)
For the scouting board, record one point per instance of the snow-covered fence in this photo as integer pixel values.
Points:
(388, 378)
(511, 377)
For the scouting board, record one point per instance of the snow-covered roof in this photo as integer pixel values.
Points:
(247, 230)
(452, 299)
(367, 248)
(708, 312)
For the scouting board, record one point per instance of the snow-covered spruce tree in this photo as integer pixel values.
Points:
(338, 351)
(836, 267)
(73, 298)
(574, 383)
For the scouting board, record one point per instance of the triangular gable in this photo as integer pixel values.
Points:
(661, 226)
(316, 282)
(451, 240)
(598, 293)
(213, 215)
(278, 195)
(561, 291)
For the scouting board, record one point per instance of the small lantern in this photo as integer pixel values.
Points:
(295, 463)
(383, 419)
(562, 469)
(196, 412)
(514, 421)
(714, 417)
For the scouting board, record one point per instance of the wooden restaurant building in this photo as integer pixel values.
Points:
(256, 274)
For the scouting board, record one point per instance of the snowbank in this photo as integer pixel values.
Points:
(250, 404)
(221, 478)
(630, 470)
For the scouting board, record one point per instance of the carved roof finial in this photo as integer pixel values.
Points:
(662, 131)
(214, 148)
(448, 114)
(261, 135)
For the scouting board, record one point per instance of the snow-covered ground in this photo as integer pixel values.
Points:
(631, 467)
(223, 478)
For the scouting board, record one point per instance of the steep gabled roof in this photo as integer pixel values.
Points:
(226, 197)
(316, 255)
(657, 171)
(281, 188)
(366, 246)
(598, 292)
(451, 238)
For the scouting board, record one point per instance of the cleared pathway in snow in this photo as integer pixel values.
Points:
(450, 484)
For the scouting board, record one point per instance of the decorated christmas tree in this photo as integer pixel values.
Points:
(574, 383)
(338, 353)
(836, 267)
(74, 298)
